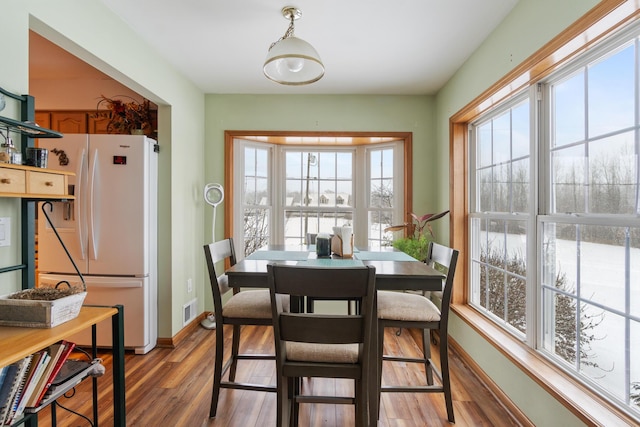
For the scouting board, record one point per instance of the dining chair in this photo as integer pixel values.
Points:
(322, 345)
(310, 301)
(410, 310)
(247, 307)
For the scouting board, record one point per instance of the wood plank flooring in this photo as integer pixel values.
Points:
(172, 387)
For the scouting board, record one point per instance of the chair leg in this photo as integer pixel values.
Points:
(283, 401)
(444, 368)
(235, 345)
(217, 371)
(360, 404)
(380, 354)
(426, 351)
(294, 391)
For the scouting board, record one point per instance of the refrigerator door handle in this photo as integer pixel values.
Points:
(81, 224)
(93, 212)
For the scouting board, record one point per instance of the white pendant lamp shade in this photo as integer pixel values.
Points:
(293, 61)
(290, 60)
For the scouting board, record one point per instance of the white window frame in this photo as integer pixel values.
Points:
(541, 212)
(361, 176)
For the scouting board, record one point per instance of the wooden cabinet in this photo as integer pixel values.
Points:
(69, 121)
(80, 121)
(98, 122)
(33, 183)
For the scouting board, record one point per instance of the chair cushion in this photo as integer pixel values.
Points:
(322, 353)
(253, 304)
(407, 307)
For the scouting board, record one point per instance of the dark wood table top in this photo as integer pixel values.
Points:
(394, 270)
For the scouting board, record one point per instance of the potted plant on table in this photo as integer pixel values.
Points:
(416, 241)
(128, 117)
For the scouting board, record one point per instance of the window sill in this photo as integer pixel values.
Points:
(590, 408)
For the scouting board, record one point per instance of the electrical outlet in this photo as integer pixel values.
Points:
(189, 285)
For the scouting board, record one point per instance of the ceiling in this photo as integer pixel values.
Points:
(399, 47)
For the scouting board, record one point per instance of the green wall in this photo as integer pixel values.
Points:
(530, 25)
(325, 113)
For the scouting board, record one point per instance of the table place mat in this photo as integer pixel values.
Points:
(279, 255)
(331, 262)
(383, 256)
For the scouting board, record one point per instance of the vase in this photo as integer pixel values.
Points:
(137, 132)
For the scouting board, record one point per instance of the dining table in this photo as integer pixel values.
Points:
(395, 270)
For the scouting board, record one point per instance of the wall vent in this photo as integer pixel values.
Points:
(189, 311)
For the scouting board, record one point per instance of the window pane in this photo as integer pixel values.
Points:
(502, 138)
(344, 164)
(378, 221)
(485, 177)
(560, 325)
(613, 175)
(501, 188)
(376, 164)
(560, 257)
(317, 191)
(602, 348)
(603, 258)
(589, 269)
(611, 102)
(520, 137)
(500, 260)
(520, 186)
(381, 193)
(327, 165)
(568, 176)
(568, 111)
(256, 229)
(293, 164)
(387, 163)
(484, 150)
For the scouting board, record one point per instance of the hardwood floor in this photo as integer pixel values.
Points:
(172, 387)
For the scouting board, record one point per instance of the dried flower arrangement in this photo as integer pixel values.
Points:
(127, 116)
(45, 294)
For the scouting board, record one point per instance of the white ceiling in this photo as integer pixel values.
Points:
(396, 47)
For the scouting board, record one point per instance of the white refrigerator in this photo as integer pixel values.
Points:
(110, 229)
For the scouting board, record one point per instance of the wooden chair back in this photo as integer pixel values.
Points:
(327, 331)
(439, 257)
(215, 253)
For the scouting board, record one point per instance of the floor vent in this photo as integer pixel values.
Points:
(189, 311)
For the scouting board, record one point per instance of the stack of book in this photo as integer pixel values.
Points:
(23, 384)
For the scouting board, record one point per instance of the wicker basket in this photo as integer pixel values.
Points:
(39, 313)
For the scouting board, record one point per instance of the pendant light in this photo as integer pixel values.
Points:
(290, 60)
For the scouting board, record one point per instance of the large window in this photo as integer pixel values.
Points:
(289, 192)
(500, 226)
(565, 253)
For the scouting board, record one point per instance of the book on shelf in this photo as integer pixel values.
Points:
(64, 350)
(38, 365)
(15, 384)
(54, 353)
(6, 388)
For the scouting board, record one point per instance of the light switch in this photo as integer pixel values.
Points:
(5, 231)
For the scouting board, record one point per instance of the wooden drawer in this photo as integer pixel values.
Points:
(12, 181)
(46, 183)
